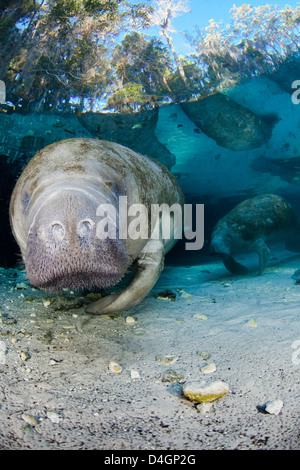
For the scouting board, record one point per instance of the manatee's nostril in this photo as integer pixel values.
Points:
(57, 231)
(85, 227)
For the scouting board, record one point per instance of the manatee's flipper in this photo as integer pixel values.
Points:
(233, 266)
(150, 264)
(263, 253)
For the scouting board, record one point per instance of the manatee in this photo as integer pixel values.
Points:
(54, 215)
(249, 225)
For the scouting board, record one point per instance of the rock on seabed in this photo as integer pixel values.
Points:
(195, 391)
(273, 407)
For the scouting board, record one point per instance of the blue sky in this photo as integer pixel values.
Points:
(204, 10)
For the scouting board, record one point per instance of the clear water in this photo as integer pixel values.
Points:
(222, 117)
(219, 108)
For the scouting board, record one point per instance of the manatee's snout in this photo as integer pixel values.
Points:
(63, 250)
(56, 232)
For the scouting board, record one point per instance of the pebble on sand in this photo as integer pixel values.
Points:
(204, 355)
(166, 295)
(54, 416)
(24, 356)
(46, 302)
(171, 376)
(195, 391)
(29, 419)
(183, 294)
(115, 367)
(252, 323)
(168, 359)
(208, 368)
(200, 316)
(205, 408)
(134, 374)
(272, 407)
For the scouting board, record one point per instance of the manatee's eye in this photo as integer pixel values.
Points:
(85, 227)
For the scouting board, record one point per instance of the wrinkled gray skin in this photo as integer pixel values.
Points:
(53, 218)
(248, 226)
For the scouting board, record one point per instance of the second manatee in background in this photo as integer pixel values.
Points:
(248, 226)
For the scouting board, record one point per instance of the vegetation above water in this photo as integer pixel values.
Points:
(75, 55)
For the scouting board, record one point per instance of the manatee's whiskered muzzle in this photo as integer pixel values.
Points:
(63, 250)
(66, 264)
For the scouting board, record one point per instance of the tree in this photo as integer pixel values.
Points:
(13, 12)
(164, 12)
(143, 60)
(128, 98)
(193, 84)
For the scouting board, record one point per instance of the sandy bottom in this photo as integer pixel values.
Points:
(57, 391)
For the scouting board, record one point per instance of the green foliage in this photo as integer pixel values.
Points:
(12, 11)
(143, 61)
(179, 91)
(128, 98)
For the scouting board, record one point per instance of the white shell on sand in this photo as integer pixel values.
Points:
(273, 407)
(208, 368)
(115, 367)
